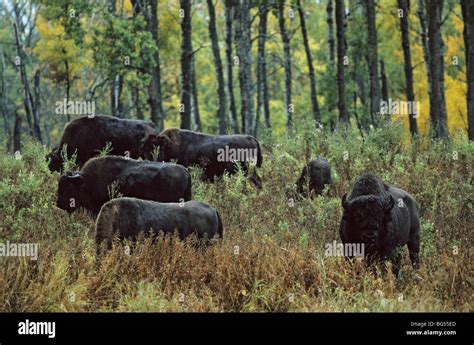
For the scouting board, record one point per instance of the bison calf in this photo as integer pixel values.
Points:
(126, 218)
(314, 177)
(91, 187)
(87, 136)
(383, 218)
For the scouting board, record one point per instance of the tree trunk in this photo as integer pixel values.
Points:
(341, 53)
(238, 31)
(372, 62)
(37, 103)
(424, 42)
(6, 126)
(194, 99)
(114, 82)
(243, 40)
(383, 78)
(186, 65)
(120, 110)
(28, 102)
(404, 28)
(354, 99)
(229, 14)
(116, 92)
(17, 133)
(330, 22)
(468, 16)
(265, 94)
(221, 107)
(286, 62)
(444, 112)
(438, 116)
(330, 104)
(155, 97)
(262, 86)
(136, 103)
(309, 59)
(68, 88)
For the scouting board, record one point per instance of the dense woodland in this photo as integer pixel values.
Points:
(237, 66)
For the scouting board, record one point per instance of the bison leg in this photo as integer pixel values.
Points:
(414, 249)
(302, 183)
(395, 258)
(102, 246)
(251, 174)
(396, 262)
(255, 179)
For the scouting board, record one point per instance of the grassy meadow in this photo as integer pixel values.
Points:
(272, 255)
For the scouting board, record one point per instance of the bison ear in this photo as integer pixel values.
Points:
(388, 203)
(345, 204)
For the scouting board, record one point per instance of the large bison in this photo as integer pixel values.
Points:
(381, 217)
(88, 135)
(215, 154)
(314, 177)
(91, 187)
(126, 218)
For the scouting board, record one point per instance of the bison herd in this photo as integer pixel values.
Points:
(144, 186)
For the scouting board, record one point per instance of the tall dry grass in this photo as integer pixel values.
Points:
(272, 255)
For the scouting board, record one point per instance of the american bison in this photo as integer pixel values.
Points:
(383, 218)
(89, 135)
(314, 177)
(126, 218)
(91, 187)
(215, 154)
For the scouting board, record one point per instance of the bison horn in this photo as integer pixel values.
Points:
(74, 175)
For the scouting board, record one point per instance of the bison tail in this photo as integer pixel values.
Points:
(220, 226)
(188, 193)
(104, 226)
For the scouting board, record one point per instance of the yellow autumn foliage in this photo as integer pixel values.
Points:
(455, 87)
(54, 49)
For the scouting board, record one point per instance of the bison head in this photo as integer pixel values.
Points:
(167, 144)
(55, 162)
(367, 217)
(70, 191)
(153, 144)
